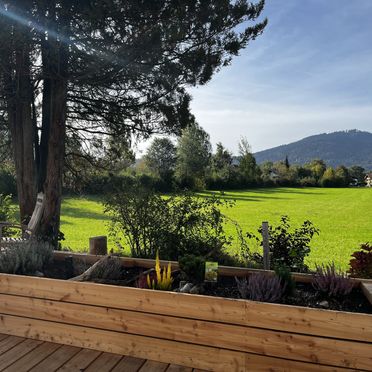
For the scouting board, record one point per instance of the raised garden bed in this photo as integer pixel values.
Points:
(203, 332)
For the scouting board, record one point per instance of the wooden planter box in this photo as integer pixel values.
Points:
(197, 331)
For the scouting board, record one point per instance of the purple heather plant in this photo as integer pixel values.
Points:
(261, 287)
(330, 281)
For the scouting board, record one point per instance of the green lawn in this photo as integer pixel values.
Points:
(342, 215)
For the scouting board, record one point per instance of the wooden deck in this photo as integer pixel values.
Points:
(18, 354)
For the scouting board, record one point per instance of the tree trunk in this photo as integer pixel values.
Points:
(52, 145)
(19, 103)
(55, 159)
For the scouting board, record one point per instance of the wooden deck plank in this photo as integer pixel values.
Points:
(9, 342)
(174, 368)
(167, 351)
(34, 357)
(50, 357)
(3, 336)
(151, 366)
(56, 359)
(104, 363)
(16, 352)
(129, 364)
(80, 361)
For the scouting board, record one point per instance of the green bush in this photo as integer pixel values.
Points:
(193, 268)
(6, 208)
(289, 247)
(176, 225)
(7, 212)
(8, 184)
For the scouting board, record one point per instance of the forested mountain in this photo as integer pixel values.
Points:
(352, 147)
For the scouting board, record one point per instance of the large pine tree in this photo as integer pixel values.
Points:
(105, 68)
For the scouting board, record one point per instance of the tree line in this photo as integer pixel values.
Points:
(191, 164)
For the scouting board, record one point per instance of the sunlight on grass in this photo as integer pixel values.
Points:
(340, 214)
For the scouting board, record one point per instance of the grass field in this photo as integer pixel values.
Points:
(343, 216)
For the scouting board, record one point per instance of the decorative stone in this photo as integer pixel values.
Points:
(324, 304)
(39, 274)
(186, 288)
(195, 289)
(182, 283)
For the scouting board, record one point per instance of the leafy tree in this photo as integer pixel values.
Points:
(193, 157)
(95, 68)
(358, 173)
(286, 176)
(161, 158)
(286, 162)
(266, 172)
(223, 173)
(317, 168)
(222, 158)
(342, 176)
(248, 168)
(329, 178)
(86, 169)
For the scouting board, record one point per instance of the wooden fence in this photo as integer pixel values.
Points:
(197, 331)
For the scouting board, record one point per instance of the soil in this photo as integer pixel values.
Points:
(303, 295)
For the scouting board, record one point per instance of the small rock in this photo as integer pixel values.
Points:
(182, 283)
(324, 304)
(186, 288)
(39, 274)
(195, 289)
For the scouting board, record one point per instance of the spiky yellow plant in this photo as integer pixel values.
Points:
(164, 280)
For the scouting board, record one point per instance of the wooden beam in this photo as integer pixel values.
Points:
(221, 336)
(172, 352)
(295, 319)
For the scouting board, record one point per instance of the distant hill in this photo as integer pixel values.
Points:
(352, 147)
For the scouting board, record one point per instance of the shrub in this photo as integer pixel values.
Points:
(7, 212)
(175, 225)
(261, 287)
(331, 282)
(26, 257)
(6, 208)
(289, 247)
(308, 182)
(8, 184)
(361, 263)
(193, 267)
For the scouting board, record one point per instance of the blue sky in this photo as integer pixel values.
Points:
(310, 72)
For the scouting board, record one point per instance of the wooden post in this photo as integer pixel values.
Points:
(266, 245)
(98, 245)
